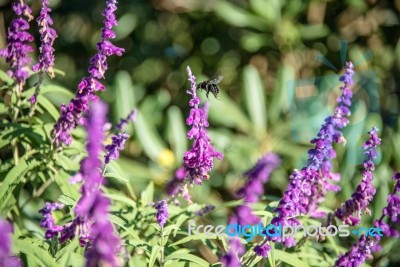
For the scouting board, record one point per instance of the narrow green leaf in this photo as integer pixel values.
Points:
(188, 257)
(255, 97)
(289, 259)
(147, 194)
(154, 253)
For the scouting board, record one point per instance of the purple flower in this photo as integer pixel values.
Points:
(72, 115)
(17, 50)
(47, 221)
(178, 185)
(236, 250)
(262, 250)
(198, 162)
(205, 210)
(243, 215)
(257, 177)
(131, 117)
(162, 212)
(364, 192)
(118, 143)
(6, 259)
(309, 186)
(47, 37)
(358, 253)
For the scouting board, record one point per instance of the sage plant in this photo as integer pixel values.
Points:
(72, 115)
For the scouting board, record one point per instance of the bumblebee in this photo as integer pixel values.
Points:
(210, 86)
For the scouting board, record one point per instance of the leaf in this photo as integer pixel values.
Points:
(12, 180)
(47, 105)
(147, 195)
(289, 259)
(120, 222)
(177, 132)
(34, 251)
(116, 176)
(188, 257)
(148, 137)
(193, 237)
(154, 253)
(255, 98)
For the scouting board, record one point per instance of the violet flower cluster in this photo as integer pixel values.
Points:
(203, 211)
(47, 222)
(72, 115)
(309, 186)
(118, 143)
(178, 186)
(350, 211)
(6, 258)
(364, 247)
(198, 161)
(257, 177)
(162, 212)
(357, 254)
(47, 37)
(124, 122)
(16, 53)
(232, 257)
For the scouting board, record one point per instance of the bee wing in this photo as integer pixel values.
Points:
(216, 79)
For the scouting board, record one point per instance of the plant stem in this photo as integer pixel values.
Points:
(162, 247)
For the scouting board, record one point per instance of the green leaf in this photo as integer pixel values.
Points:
(177, 132)
(188, 257)
(148, 137)
(47, 105)
(120, 222)
(147, 195)
(289, 259)
(12, 180)
(34, 251)
(255, 98)
(154, 253)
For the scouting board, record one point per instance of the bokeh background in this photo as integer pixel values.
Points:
(280, 60)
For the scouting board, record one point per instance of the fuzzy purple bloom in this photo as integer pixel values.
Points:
(177, 186)
(162, 212)
(48, 222)
(72, 115)
(16, 53)
(236, 250)
(47, 37)
(92, 207)
(309, 186)
(198, 162)
(118, 143)
(243, 215)
(6, 259)
(205, 210)
(357, 255)
(350, 211)
(124, 122)
(257, 177)
(262, 250)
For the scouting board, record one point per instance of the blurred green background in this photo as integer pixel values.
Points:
(273, 55)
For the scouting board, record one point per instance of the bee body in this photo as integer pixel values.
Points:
(210, 86)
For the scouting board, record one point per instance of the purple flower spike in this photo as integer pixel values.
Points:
(205, 210)
(73, 114)
(47, 221)
(257, 177)
(357, 255)
(309, 186)
(162, 212)
(47, 37)
(365, 192)
(92, 208)
(16, 53)
(6, 259)
(198, 162)
(236, 250)
(118, 143)
(124, 122)
(262, 250)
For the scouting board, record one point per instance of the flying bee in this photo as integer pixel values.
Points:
(210, 86)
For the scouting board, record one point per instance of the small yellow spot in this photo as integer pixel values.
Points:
(166, 158)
